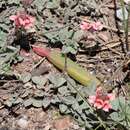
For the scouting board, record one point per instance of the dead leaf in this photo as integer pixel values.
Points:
(103, 37)
(62, 124)
(41, 70)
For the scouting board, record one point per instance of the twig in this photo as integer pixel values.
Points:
(40, 62)
(114, 51)
(1, 107)
(123, 91)
(4, 81)
(110, 48)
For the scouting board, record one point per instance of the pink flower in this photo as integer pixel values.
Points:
(22, 20)
(85, 26)
(94, 26)
(97, 26)
(101, 100)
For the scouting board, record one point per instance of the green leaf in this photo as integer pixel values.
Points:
(56, 79)
(84, 105)
(39, 4)
(90, 90)
(37, 103)
(18, 100)
(55, 100)
(63, 90)
(9, 103)
(88, 125)
(69, 48)
(46, 102)
(28, 102)
(65, 33)
(115, 116)
(79, 98)
(25, 77)
(63, 108)
(118, 103)
(13, 2)
(69, 100)
(39, 93)
(3, 36)
(53, 4)
(39, 81)
(72, 90)
(12, 100)
(119, 14)
(77, 107)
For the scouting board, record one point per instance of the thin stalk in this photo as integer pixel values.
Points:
(65, 68)
(123, 13)
(81, 95)
(127, 30)
(85, 100)
(97, 127)
(124, 21)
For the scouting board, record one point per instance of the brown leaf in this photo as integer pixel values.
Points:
(103, 36)
(62, 124)
(41, 70)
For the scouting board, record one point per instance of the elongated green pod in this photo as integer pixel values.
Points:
(77, 72)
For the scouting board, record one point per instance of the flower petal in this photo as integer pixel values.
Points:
(111, 96)
(107, 106)
(98, 103)
(97, 26)
(92, 99)
(85, 26)
(13, 17)
(23, 20)
(32, 19)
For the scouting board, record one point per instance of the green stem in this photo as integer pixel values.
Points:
(127, 30)
(80, 94)
(124, 21)
(123, 13)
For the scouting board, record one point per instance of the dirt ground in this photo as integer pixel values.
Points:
(107, 61)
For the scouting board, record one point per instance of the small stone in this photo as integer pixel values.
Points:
(105, 81)
(76, 126)
(109, 70)
(23, 122)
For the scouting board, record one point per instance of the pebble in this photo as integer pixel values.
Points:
(23, 122)
(109, 70)
(75, 126)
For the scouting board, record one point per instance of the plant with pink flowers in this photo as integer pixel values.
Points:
(101, 100)
(96, 26)
(24, 26)
(22, 20)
